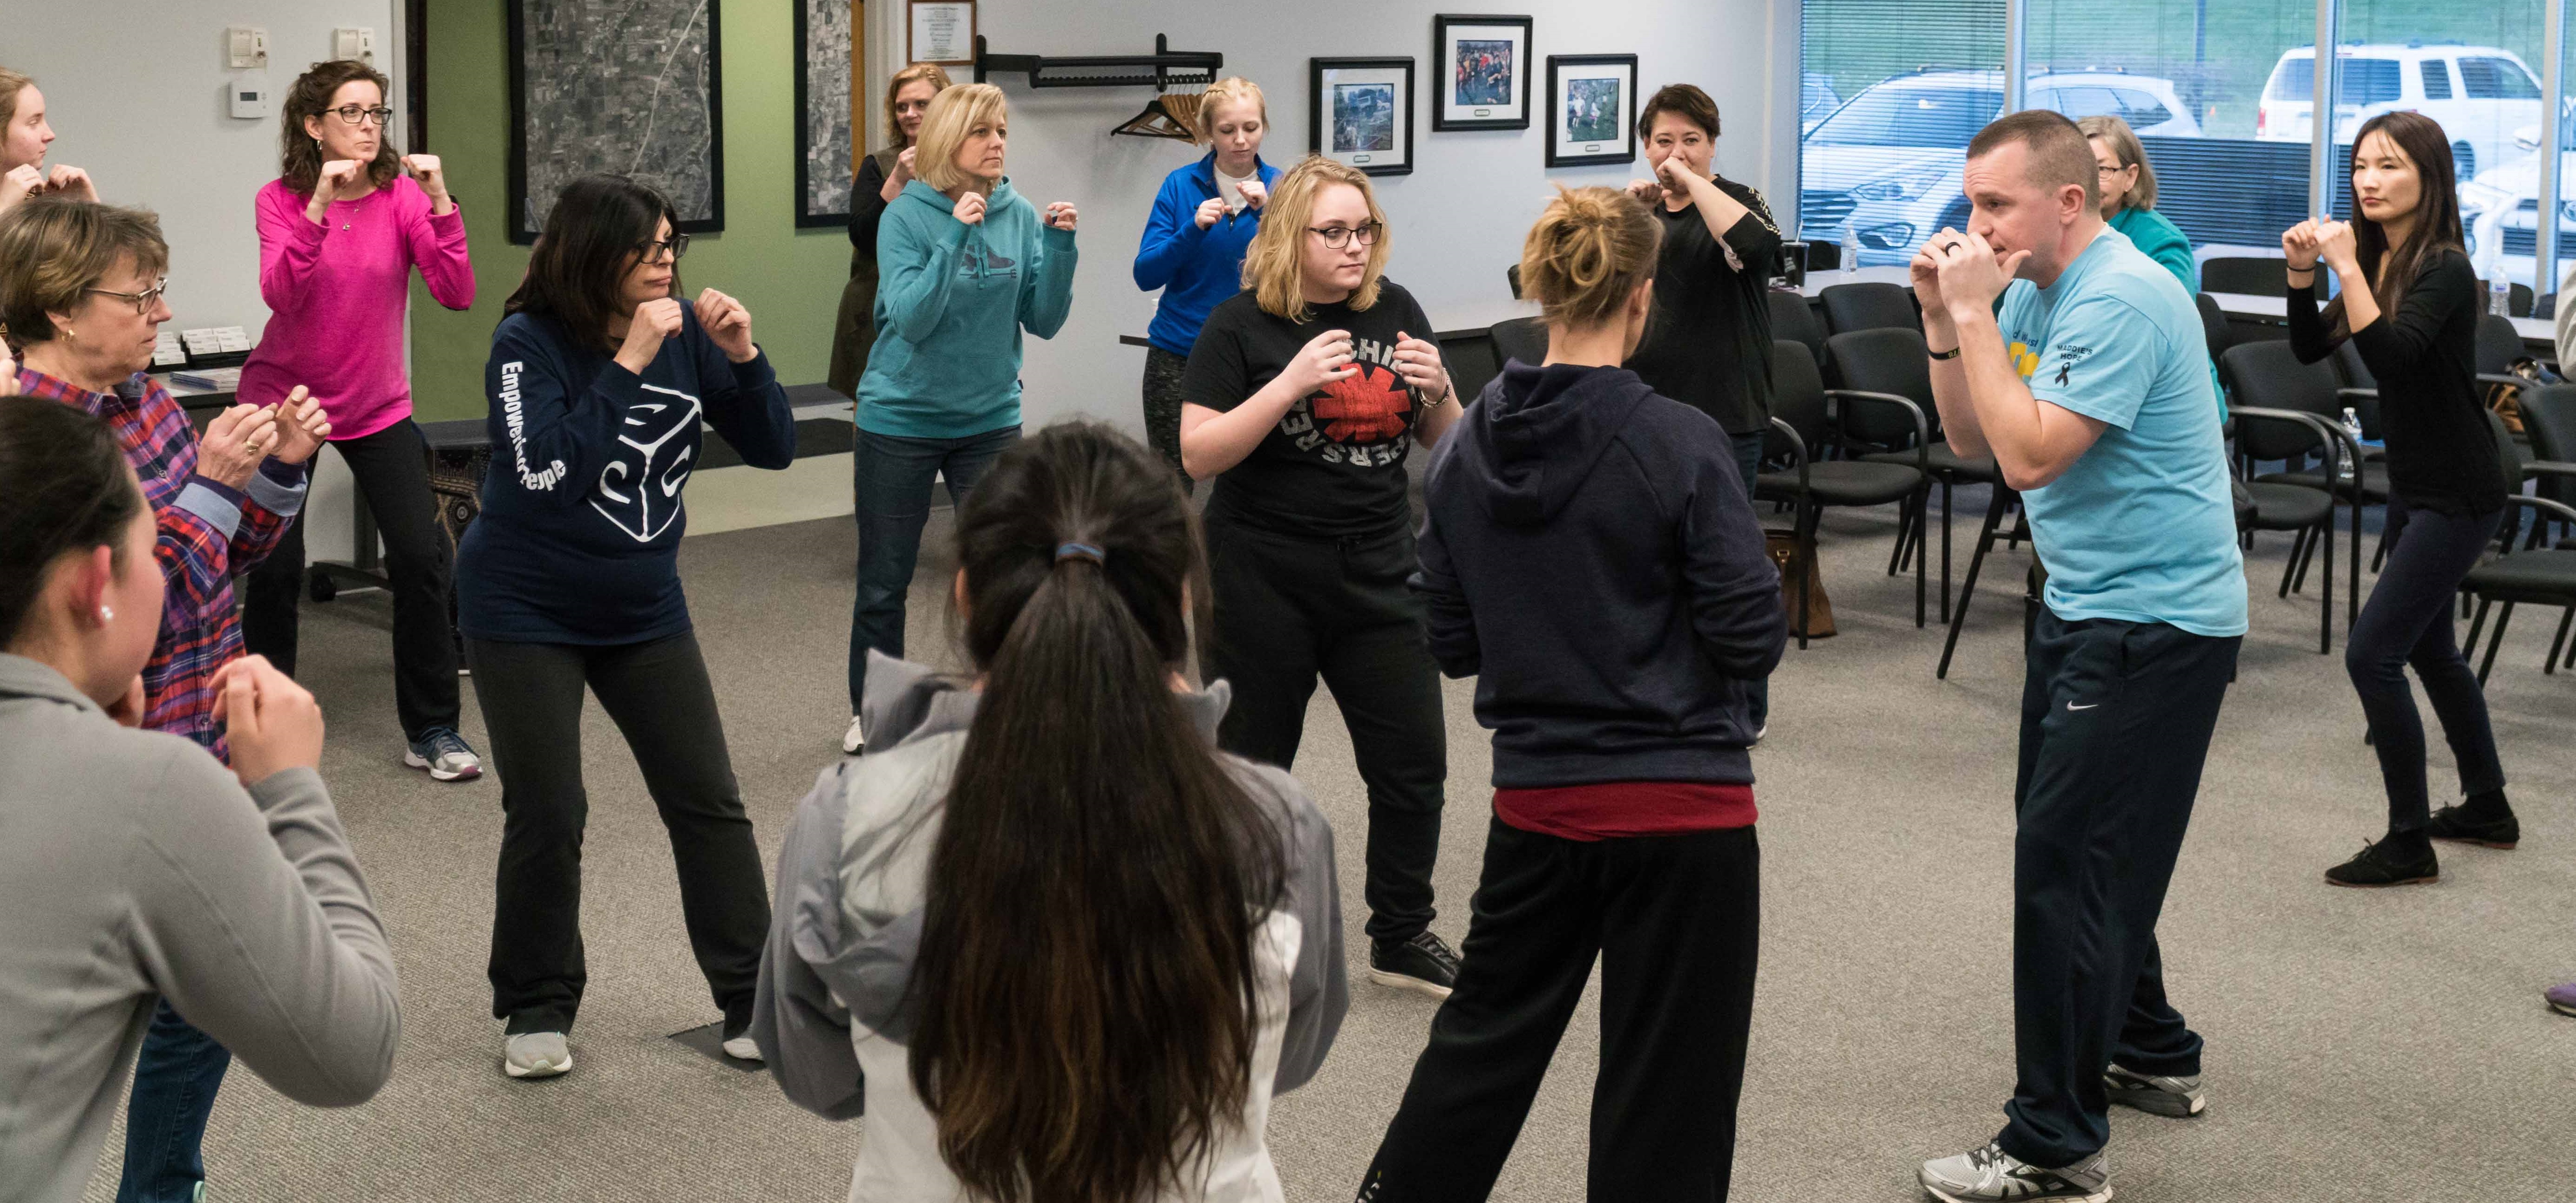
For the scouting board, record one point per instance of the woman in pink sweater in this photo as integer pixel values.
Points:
(339, 234)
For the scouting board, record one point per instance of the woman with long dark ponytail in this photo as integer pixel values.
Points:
(2410, 306)
(1055, 945)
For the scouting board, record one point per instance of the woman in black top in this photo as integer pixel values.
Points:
(1306, 391)
(882, 176)
(1708, 344)
(2409, 304)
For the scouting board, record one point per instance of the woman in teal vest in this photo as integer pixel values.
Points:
(2129, 198)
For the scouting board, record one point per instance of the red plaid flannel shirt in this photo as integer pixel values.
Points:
(199, 630)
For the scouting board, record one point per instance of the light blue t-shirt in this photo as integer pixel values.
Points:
(2143, 527)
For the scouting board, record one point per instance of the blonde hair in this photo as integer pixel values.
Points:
(1587, 254)
(953, 114)
(918, 71)
(1274, 266)
(1233, 89)
(54, 249)
(2125, 148)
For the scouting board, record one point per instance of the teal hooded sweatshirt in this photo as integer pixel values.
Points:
(951, 302)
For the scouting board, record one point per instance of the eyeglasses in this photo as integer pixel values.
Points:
(2099, 169)
(351, 114)
(142, 301)
(676, 245)
(1336, 237)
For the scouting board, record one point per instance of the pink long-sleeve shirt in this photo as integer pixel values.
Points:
(337, 293)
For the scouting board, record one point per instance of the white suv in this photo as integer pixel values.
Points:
(2479, 94)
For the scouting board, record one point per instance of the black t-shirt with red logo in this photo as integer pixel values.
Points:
(1334, 465)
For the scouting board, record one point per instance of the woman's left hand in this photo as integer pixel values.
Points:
(433, 180)
(301, 427)
(1419, 363)
(1060, 215)
(728, 323)
(2335, 245)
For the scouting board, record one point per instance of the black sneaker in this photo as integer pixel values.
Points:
(1422, 963)
(2380, 865)
(2454, 823)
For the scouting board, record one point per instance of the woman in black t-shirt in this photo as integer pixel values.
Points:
(882, 177)
(1303, 396)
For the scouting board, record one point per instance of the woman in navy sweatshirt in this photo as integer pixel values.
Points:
(570, 578)
(1203, 221)
(1616, 683)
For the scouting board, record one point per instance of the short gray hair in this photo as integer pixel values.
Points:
(2123, 142)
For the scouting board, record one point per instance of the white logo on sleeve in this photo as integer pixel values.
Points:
(640, 489)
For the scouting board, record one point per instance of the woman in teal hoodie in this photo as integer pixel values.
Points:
(2129, 198)
(964, 266)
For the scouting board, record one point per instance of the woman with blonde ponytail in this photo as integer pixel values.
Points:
(1616, 681)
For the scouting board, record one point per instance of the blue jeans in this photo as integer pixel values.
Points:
(175, 1079)
(1748, 462)
(892, 478)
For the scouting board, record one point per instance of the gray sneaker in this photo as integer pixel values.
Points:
(1990, 1175)
(445, 754)
(2180, 1098)
(536, 1055)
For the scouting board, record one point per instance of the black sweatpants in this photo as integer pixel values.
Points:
(1676, 922)
(2407, 621)
(2116, 719)
(1289, 610)
(392, 471)
(1163, 409)
(660, 697)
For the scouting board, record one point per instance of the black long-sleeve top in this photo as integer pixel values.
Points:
(867, 206)
(2441, 453)
(1708, 344)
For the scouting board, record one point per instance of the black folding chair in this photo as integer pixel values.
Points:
(2538, 575)
(1801, 423)
(1871, 306)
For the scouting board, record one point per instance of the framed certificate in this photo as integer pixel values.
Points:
(943, 32)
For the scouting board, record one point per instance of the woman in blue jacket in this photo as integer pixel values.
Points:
(1193, 247)
(964, 266)
(570, 578)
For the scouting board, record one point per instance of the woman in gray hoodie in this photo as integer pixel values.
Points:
(1044, 931)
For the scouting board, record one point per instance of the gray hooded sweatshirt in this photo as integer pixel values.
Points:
(831, 1017)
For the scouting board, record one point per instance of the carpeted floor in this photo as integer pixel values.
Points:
(2361, 1044)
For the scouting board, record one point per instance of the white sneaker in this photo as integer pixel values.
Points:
(742, 1048)
(1990, 1175)
(855, 740)
(536, 1055)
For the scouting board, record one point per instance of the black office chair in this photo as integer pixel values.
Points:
(1802, 423)
(2518, 299)
(2305, 511)
(2540, 576)
(2266, 375)
(2549, 421)
(1794, 318)
(1521, 338)
(1874, 306)
(1512, 276)
(2213, 325)
(1894, 362)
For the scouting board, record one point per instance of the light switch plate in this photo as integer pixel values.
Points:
(245, 47)
(359, 44)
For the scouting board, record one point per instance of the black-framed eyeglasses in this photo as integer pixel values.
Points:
(676, 245)
(351, 114)
(1336, 237)
(142, 301)
(2099, 169)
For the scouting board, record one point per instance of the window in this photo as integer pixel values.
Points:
(2437, 79)
(1916, 80)
(2365, 81)
(2497, 79)
(2141, 110)
(1898, 114)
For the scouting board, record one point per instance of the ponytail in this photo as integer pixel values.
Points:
(1097, 884)
(1589, 251)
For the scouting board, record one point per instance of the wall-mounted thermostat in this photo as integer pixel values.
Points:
(359, 44)
(245, 47)
(248, 100)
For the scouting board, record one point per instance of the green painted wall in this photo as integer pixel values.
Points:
(790, 279)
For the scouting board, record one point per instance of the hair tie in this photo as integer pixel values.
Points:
(1079, 551)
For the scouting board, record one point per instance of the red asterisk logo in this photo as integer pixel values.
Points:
(1365, 407)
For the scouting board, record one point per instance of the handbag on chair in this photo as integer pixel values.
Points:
(1796, 558)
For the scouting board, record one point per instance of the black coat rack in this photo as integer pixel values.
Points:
(1165, 68)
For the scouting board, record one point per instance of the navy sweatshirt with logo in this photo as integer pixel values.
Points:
(579, 538)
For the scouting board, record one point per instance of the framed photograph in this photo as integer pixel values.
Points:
(942, 32)
(825, 136)
(1361, 112)
(1591, 109)
(1482, 72)
(630, 86)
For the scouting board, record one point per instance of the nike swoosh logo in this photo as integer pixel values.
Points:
(2073, 706)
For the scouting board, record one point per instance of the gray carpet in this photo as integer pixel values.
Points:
(2361, 1044)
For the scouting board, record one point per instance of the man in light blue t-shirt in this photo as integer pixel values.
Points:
(2090, 387)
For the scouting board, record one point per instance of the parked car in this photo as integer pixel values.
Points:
(2500, 209)
(1816, 99)
(1887, 163)
(2479, 94)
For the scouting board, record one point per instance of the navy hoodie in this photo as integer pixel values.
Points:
(1589, 556)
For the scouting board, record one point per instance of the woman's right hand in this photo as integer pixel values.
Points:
(1649, 191)
(271, 723)
(2299, 246)
(1209, 210)
(327, 184)
(234, 444)
(970, 208)
(654, 321)
(1323, 360)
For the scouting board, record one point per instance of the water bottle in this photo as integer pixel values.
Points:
(2352, 427)
(1851, 250)
(2500, 298)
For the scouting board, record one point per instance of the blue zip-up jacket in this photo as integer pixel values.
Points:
(1195, 268)
(951, 302)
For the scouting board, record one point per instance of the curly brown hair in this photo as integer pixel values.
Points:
(311, 97)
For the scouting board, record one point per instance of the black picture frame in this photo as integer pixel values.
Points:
(710, 220)
(1395, 74)
(1444, 114)
(810, 215)
(1557, 141)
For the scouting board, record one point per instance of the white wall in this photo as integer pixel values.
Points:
(1458, 219)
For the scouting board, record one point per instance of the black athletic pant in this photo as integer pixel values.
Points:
(1163, 409)
(660, 697)
(1676, 923)
(1289, 610)
(2408, 621)
(2116, 719)
(392, 470)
